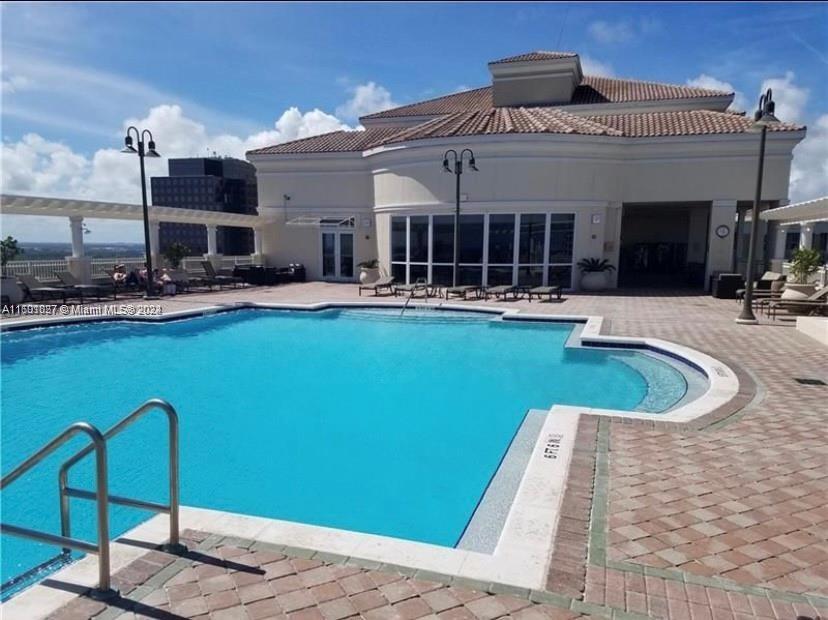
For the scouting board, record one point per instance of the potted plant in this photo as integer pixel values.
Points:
(804, 263)
(594, 273)
(368, 271)
(175, 252)
(9, 250)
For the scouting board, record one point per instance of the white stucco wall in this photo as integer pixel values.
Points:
(590, 176)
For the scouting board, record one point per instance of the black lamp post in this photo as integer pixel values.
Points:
(143, 152)
(456, 166)
(762, 118)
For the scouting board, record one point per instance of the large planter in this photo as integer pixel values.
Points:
(9, 288)
(593, 280)
(367, 275)
(797, 292)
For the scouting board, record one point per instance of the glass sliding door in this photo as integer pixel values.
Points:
(531, 254)
(530, 249)
(470, 242)
(346, 256)
(337, 255)
(399, 248)
(329, 255)
(442, 249)
(561, 247)
(501, 249)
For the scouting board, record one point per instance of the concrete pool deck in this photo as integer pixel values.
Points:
(661, 520)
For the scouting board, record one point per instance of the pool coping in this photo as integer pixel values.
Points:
(524, 557)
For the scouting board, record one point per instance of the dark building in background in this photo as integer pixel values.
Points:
(207, 184)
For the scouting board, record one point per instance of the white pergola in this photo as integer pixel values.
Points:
(815, 210)
(76, 210)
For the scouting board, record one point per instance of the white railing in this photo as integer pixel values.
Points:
(41, 269)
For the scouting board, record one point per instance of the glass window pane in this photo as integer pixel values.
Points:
(531, 237)
(398, 271)
(561, 237)
(419, 239)
(470, 275)
(560, 276)
(443, 239)
(502, 239)
(417, 272)
(530, 276)
(471, 238)
(398, 240)
(499, 275)
(441, 274)
(346, 256)
(328, 255)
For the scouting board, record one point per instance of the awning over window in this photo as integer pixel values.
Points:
(318, 221)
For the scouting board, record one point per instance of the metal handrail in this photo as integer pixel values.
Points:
(172, 508)
(98, 444)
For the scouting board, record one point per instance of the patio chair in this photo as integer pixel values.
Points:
(219, 278)
(463, 291)
(503, 290)
(35, 290)
(384, 283)
(184, 280)
(98, 290)
(815, 304)
(540, 291)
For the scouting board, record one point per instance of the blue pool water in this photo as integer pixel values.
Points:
(354, 419)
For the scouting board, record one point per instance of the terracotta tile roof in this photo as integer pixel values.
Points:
(684, 123)
(592, 90)
(534, 56)
(334, 142)
(504, 121)
(495, 121)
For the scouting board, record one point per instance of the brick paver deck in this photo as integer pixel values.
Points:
(726, 521)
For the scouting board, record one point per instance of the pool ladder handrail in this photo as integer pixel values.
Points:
(101, 494)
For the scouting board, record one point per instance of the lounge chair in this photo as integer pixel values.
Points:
(384, 283)
(219, 278)
(98, 290)
(184, 280)
(765, 286)
(540, 291)
(411, 289)
(37, 291)
(463, 291)
(503, 290)
(815, 304)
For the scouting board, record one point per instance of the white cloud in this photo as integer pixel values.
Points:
(611, 33)
(708, 81)
(366, 99)
(14, 83)
(591, 66)
(790, 99)
(809, 171)
(608, 33)
(35, 165)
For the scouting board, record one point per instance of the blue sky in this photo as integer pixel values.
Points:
(212, 76)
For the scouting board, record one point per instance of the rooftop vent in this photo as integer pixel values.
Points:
(536, 78)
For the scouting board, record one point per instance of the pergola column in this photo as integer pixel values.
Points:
(78, 264)
(155, 244)
(258, 255)
(806, 235)
(212, 245)
(719, 238)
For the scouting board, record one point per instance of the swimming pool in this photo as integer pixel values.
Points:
(355, 419)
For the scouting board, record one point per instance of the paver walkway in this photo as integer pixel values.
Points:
(728, 521)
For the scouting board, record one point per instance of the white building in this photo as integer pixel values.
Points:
(649, 176)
